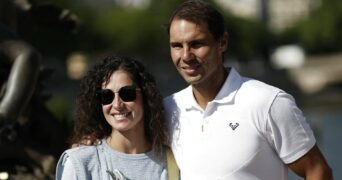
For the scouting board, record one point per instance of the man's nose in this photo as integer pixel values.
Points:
(187, 54)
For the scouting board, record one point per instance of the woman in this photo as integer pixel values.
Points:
(119, 104)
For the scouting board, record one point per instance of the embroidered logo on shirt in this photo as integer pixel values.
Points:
(233, 126)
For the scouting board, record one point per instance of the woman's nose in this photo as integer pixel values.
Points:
(117, 102)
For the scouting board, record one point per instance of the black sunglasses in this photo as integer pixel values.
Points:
(126, 93)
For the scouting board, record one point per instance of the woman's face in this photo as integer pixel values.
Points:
(122, 113)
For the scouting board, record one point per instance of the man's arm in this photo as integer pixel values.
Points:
(312, 166)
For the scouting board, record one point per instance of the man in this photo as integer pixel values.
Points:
(225, 126)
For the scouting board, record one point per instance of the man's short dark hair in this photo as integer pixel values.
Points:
(197, 11)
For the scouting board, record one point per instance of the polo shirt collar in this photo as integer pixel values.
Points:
(229, 88)
(190, 101)
(225, 95)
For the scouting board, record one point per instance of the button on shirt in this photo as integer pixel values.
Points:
(251, 130)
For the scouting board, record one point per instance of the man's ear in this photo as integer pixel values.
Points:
(224, 42)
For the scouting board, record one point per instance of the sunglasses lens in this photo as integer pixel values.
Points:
(106, 96)
(128, 93)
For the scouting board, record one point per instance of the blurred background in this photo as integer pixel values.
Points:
(295, 45)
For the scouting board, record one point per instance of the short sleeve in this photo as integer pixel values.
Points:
(65, 169)
(287, 130)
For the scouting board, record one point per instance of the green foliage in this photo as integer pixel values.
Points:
(247, 38)
(321, 32)
(60, 106)
(126, 30)
(141, 31)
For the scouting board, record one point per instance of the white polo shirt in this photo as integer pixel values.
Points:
(250, 131)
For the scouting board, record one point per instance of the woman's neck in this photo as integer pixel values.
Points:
(129, 143)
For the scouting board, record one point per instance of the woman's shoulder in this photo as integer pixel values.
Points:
(82, 154)
(82, 150)
(81, 158)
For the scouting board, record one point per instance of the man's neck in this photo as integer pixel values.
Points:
(205, 93)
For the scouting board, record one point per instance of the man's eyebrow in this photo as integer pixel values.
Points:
(174, 43)
(197, 41)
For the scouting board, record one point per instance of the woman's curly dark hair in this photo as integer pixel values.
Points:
(90, 122)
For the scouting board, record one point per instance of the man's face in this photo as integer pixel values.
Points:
(195, 52)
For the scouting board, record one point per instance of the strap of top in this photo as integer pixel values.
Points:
(172, 168)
